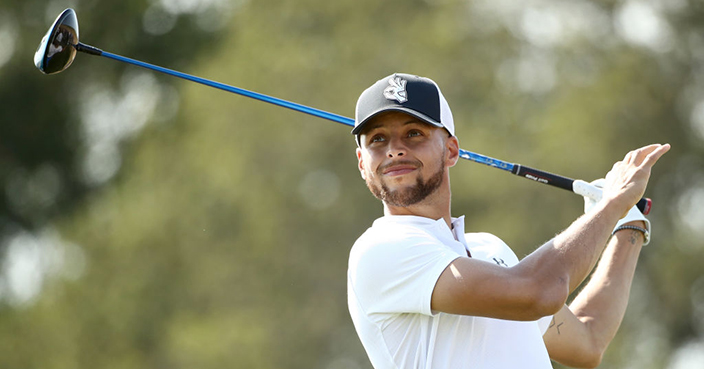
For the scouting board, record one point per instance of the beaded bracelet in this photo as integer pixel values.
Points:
(646, 234)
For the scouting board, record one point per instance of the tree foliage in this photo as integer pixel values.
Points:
(152, 222)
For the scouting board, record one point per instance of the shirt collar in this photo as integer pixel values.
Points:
(457, 231)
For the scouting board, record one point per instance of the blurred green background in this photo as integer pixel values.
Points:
(149, 222)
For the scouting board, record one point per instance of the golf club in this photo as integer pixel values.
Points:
(58, 48)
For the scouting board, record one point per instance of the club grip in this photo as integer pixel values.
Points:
(644, 205)
(588, 190)
(579, 187)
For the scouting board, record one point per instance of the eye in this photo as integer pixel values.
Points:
(414, 133)
(377, 138)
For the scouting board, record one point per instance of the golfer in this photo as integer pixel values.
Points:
(423, 294)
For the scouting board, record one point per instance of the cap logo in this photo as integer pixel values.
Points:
(396, 90)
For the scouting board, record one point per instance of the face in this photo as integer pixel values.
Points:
(403, 159)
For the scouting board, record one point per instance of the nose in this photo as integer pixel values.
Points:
(396, 148)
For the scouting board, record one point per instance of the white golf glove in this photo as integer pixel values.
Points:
(633, 215)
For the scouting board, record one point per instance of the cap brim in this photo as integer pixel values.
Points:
(358, 128)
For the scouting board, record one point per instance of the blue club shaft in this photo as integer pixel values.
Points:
(290, 105)
(237, 90)
(517, 169)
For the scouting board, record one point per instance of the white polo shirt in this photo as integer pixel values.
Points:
(393, 269)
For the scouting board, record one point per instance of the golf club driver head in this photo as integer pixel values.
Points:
(58, 47)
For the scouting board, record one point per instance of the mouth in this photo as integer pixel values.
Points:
(398, 169)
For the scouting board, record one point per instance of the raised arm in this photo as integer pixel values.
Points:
(579, 334)
(540, 284)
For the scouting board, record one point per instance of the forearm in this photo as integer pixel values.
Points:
(602, 304)
(571, 255)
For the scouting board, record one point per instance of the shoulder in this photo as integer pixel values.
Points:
(391, 233)
(394, 267)
(488, 246)
(483, 238)
(485, 242)
(389, 238)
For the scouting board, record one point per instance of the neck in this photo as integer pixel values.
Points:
(435, 206)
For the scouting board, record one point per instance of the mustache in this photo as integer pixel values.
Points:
(414, 163)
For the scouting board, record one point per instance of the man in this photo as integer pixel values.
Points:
(423, 294)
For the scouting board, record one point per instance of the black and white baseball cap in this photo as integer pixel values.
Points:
(414, 95)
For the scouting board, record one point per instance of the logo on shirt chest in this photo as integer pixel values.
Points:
(500, 262)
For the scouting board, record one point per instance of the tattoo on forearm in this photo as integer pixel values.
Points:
(634, 237)
(556, 325)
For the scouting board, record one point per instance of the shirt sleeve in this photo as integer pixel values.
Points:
(397, 274)
(544, 323)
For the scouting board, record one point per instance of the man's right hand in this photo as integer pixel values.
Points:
(626, 182)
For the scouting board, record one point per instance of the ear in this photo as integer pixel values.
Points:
(360, 163)
(453, 151)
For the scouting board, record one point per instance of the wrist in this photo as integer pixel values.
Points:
(611, 211)
(635, 230)
(637, 223)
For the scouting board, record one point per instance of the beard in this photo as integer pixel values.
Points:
(407, 196)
